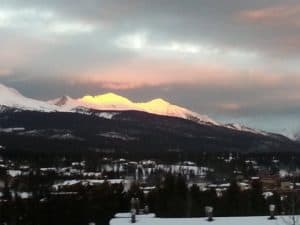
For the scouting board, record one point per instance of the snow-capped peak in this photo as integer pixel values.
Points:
(111, 101)
(10, 97)
(159, 101)
(108, 98)
(162, 107)
(64, 100)
(6, 91)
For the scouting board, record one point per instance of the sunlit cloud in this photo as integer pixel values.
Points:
(229, 107)
(279, 15)
(5, 72)
(141, 43)
(143, 73)
(139, 73)
(188, 48)
(14, 18)
(132, 41)
(41, 21)
(275, 27)
(70, 28)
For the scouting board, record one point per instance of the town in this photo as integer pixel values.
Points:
(108, 183)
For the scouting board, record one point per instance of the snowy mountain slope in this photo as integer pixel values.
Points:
(65, 103)
(296, 136)
(111, 101)
(128, 131)
(107, 101)
(10, 97)
(236, 126)
(162, 107)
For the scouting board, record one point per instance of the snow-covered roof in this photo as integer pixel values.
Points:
(127, 215)
(86, 182)
(14, 173)
(253, 220)
(267, 194)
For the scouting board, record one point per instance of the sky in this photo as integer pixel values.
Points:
(234, 60)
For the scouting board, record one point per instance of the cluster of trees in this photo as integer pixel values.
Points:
(90, 204)
(190, 202)
(171, 198)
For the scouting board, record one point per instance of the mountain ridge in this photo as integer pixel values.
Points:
(111, 101)
(128, 132)
(10, 97)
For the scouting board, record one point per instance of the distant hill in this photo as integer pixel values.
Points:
(127, 131)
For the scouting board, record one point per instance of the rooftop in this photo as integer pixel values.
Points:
(122, 219)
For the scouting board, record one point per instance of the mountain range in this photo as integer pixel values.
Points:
(110, 121)
(10, 97)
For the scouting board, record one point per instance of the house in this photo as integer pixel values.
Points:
(270, 182)
(286, 186)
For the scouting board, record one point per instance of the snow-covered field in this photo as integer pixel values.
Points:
(116, 135)
(253, 220)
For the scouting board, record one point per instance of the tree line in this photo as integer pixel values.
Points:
(172, 197)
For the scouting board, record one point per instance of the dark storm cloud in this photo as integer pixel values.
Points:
(228, 23)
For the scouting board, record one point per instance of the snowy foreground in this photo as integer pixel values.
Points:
(123, 218)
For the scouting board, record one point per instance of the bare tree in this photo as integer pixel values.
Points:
(290, 208)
